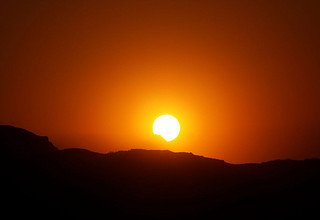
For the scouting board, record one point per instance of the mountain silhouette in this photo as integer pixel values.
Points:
(39, 180)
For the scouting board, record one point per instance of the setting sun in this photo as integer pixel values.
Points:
(167, 127)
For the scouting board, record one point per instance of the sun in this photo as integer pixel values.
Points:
(167, 127)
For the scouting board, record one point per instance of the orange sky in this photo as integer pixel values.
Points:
(243, 77)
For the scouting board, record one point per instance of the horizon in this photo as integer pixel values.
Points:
(118, 150)
(241, 77)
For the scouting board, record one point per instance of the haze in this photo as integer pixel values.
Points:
(242, 77)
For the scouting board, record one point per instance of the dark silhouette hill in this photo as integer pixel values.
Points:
(38, 180)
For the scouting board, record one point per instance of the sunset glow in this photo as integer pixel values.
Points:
(242, 77)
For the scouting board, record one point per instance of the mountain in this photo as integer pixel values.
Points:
(38, 180)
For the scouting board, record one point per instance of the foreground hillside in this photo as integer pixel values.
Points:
(41, 181)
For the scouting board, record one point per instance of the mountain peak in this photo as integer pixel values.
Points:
(18, 141)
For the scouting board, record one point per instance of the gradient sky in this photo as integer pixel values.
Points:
(243, 77)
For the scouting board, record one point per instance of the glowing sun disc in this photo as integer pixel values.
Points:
(167, 127)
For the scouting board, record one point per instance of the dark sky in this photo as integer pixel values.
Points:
(242, 77)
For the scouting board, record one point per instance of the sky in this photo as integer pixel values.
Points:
(242, 77)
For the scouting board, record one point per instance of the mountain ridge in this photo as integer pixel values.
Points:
(149, 183)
